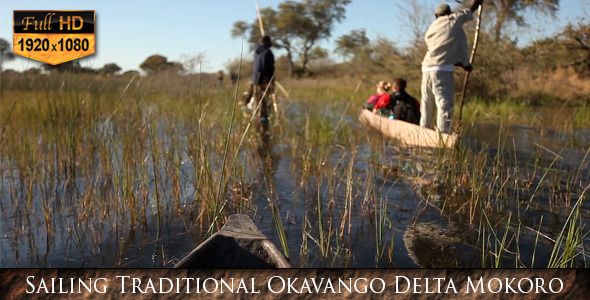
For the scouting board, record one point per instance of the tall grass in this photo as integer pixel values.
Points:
(499, 193)
(139, 166)
(115, 150)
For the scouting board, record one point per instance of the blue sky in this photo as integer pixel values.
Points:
(130, 31)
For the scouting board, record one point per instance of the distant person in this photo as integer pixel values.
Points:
(262, 77)
(233, 77)
(382, 88)
(447, 47)
(220, 78)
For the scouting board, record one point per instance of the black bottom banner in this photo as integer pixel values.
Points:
(295, 283)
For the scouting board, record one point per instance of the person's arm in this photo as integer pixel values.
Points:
(467, 68)
(382, 102)
(270, 63)
(475, 5)
(373, 99)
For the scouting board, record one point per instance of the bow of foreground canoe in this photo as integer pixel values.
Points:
(239, 244)
(408, 133)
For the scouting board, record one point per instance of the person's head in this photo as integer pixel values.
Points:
(399, 84)
(266, 41)
(383, 87)
(442, 10)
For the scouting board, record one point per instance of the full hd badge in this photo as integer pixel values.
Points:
(54, 37)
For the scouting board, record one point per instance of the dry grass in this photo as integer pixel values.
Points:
(563, 84)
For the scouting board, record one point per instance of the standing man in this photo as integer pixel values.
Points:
(220, 78)
(447, 47)
(262, 78)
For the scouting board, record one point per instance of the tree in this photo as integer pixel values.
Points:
(131, 73)
(154, 64)
(416, 17)
(192, 62)
(175, 67)
(578, 41)
(512, 10)
(72, 66)
(296, 27)
(243, 67)
(32, 71)
(349, 44)
(109, 69)
(570, 48)
(158, 63)
(5, 53)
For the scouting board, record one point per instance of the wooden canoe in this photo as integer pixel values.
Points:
(408, 133)
(238, 245)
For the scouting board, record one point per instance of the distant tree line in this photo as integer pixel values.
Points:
(297, 28)
(152, 65)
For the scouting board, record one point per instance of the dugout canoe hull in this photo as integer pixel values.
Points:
(238, 245)
(407, 133)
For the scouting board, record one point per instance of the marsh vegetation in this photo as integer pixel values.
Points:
(127, 171)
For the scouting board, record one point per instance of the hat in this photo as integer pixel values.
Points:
(443, 9)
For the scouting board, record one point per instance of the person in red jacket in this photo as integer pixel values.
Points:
(399, 105)
(383, 88)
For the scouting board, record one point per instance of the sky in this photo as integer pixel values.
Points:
(128, 31)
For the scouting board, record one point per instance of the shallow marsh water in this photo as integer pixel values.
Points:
(394, 221)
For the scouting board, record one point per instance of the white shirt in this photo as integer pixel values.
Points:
(443, 68)
(446, 40)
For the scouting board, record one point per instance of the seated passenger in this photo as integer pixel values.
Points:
(400, 105)
(382, 89)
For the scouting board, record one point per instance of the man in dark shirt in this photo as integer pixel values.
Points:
(263, 76)
(402, 106)
(405, 107)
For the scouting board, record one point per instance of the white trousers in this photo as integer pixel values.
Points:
(438, 92)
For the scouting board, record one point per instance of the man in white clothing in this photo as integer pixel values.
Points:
(447, 48)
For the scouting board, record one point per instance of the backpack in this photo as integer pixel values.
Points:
(405, 107)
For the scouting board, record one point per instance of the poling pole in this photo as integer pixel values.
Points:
(471, 58)
(260, 24)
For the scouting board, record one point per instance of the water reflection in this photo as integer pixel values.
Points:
(431, 245)
(415, 228)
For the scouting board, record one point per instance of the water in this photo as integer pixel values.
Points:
(413, 232)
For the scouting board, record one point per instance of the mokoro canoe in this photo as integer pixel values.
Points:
(408, 133)
(239, 244)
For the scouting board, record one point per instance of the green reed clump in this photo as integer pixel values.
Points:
(119, 151)
(581, 116)
(569, 243)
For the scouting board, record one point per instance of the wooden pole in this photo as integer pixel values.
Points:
(262, 34)
(260, 24)
(471, 58)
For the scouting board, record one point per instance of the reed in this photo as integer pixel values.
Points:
(569, 242)
(123, 162)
